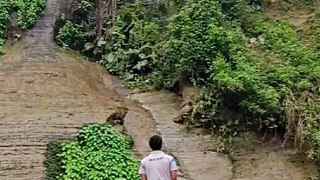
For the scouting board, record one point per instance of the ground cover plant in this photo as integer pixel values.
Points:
(28, 11)
(99, 152)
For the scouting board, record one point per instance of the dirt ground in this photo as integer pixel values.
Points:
(252, 159)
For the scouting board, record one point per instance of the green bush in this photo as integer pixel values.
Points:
(252, 68)
(28, 11)
(5, 10)
(74, 36)
(97, 137)
(99, 153)
(202, 45)
(53, 161)
(135, 35)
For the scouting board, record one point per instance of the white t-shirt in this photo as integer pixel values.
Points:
(158, 166)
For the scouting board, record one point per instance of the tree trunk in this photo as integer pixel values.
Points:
(99, 13)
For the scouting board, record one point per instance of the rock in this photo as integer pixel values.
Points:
(117, 117)
(178, 119)
(189, 94)
(184, 113)
(121, 129)
(16, 37)
(252, 40)
(186, 109)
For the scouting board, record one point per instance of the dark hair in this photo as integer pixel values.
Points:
(155, 143)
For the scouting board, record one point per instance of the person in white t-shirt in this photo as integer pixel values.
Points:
(158, 165)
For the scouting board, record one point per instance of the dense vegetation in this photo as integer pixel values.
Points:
(28, 11)
(98, 153)
(246, 63)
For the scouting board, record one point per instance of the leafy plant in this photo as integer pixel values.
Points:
(100, 152)
(86, 6)
(28, 11)
(74, 36)
(53, 161)
(254, 71)
(95, 137)
(5, 10)
(134, 36)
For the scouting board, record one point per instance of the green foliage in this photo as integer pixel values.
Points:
(128, 48)
(298, 73)
(5, 10)
(28, 11)
(53, 161)
(271, 83)
(74, 36)
(187, 51)
(203, 46)
(178, 3)
(86, 6)
(237, 10)
(135, 35)
(79, 33)
(99, 153)
(95, 137)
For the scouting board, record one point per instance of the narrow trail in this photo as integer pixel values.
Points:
(255, 161)
(196, 164)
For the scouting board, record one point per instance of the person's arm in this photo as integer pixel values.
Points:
(143, 177)
(142, 172)
(173, 169)
(174, 175)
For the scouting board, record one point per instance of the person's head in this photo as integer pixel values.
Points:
(155, 143)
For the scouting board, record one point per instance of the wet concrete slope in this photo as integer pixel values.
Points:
(46, 94)
(195, 163)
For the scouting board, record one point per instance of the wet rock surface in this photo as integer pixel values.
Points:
(46, 94)
(195, 163)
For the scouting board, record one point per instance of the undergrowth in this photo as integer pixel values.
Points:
(99, 152)
(28, 12)
(216, 44)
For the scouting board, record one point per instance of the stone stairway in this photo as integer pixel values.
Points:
(195, 164)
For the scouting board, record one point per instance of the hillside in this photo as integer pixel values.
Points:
(256, 59)
(247, 72)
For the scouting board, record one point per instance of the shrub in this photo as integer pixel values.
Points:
(135, 35)
(271, 84)
(203, 46)
(74, 36)
(99, 153)
(5, 10)
(28, 11)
